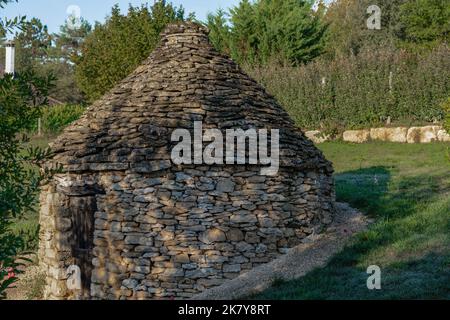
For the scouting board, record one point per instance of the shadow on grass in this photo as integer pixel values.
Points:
(425, 278)
(372, 191)
(410, 241)
(363, 188)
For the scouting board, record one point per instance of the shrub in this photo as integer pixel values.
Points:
(55, 118)
(446, 108)
(35, 285)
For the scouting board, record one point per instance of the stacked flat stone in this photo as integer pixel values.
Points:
(153, 229)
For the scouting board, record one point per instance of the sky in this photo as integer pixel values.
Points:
(53, 13)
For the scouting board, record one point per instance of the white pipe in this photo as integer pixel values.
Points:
(10, 57)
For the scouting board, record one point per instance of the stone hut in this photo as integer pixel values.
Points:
(139, 226)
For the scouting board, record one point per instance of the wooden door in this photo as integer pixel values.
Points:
(82, 211)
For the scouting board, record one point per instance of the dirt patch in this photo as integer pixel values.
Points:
(30, 284)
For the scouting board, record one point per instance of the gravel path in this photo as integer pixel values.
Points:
(314, 252)
(21, 290)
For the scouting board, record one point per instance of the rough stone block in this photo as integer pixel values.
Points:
(389, 134)
(423, 134)
(356, 136)
(212, 236)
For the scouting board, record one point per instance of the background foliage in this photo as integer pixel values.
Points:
(349, 76)
(55, 118)
(256, 32)
(45, 53)
(289, 45)
(114, 49)
(446, 110)
(355, 92)
(20, 98)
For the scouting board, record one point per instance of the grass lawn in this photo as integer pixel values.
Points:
(406, 189)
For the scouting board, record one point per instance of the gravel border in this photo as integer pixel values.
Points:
(297, 262)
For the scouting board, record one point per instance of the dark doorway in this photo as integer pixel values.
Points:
(82, 213)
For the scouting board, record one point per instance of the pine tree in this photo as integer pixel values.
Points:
(243, 33)
(219, 33)
(288, 30)
(33, 43)
(69, 40)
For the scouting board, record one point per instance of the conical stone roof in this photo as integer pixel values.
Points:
(184, 80)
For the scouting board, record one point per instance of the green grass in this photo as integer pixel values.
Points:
(406, 189)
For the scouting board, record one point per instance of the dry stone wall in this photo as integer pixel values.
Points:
(178, 233)
(137, 225)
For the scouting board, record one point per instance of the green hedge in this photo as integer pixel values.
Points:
(446, 108)
(362, 91)
(55, 118)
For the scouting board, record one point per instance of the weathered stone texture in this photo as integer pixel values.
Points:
(317, 137)
(443, 136)
(423, 134)
(356, 136)
(161, 230)
(389, 134)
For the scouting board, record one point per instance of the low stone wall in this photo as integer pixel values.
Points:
(425, 134)
(177, 233)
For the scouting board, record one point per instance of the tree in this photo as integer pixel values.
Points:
(218, 30)
(348, 31)
(425, 23)
(6, 24)
(288, 30)
(69, 40)
(117, 47)
(20, 98)
(54, 54)
(33, 43)
(64, 53)
(300, 34)
(47, 53)
(243, 38)
(65, 88)
(345, 27)
(414, 25)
